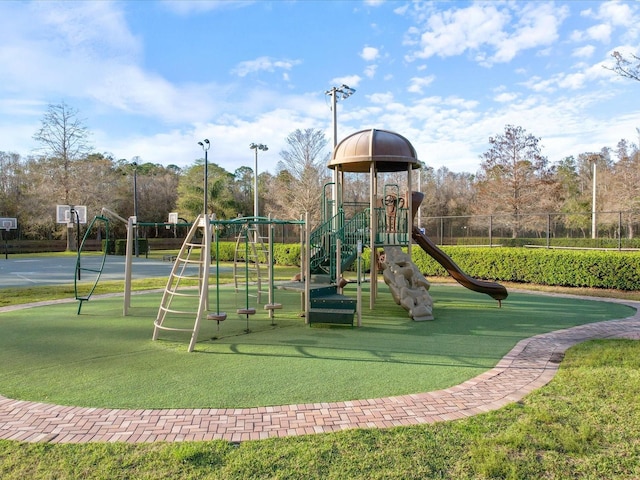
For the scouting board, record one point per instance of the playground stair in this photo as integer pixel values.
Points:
(190, 267)
(324, 241)
(329, 306)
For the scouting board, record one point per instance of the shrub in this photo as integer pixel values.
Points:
(574, 268)
(120, 246)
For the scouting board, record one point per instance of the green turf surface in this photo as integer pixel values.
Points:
(102, 359)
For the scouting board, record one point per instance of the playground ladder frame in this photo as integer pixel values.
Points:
(192, 253)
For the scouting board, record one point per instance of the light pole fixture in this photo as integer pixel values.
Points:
(135, 207)
(256, 147)
(338, 93)
(205, 146)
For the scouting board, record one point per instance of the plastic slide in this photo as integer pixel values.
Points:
(494, 290)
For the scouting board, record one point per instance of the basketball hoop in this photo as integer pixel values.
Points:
(9, 223)
(64, 214)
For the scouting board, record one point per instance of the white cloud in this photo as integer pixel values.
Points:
(615, 12)
(505, 97)
(584, 52)
(188, 7)
(90, 39)
(612, 15)
(538, 26)
(381, 98)
(130, 89)
(453, 31)
(370, 71)
(600, 33)
(350, 80)
(41, 44)
(417, 84)
(266, 64)
(571, 81)
(370, 53)
(484, 29)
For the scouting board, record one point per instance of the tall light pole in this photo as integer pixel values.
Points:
(594, 233)
(420, 190)
(135, 207)
(205, 146)
(256, 147)
(337, 93)
(342, 92)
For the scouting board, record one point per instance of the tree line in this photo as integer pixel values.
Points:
(514, 179)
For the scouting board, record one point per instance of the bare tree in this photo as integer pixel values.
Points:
(628, 67)
(63, 139)
(10, 184)
(514, 178)
(301, 174)
(626, 183)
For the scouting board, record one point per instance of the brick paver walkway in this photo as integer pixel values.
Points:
(529, 365)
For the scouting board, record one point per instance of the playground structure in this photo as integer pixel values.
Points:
(385, 225)
(196, 252)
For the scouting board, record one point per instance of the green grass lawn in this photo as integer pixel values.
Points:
(584, 424)
(102, 359)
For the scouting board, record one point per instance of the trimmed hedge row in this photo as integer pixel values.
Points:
(570, 268)
(597, 269)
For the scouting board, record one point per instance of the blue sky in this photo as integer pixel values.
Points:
(152, 78)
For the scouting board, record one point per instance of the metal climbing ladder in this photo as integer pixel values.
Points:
(191, 267)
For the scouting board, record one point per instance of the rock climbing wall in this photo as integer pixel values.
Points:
(408, 286)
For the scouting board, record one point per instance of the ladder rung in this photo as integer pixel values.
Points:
(187, 277)
(188, 260)
(180, 294)
(173, 329)
(180, 312)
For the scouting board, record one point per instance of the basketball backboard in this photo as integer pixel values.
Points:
(63, 213)
(8, 223)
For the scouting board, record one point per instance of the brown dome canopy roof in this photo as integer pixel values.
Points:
(390, 151)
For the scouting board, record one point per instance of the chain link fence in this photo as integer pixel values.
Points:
(614, 230)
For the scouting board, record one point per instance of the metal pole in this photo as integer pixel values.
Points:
(206, 183)
(491, 230)
(135, 207)
(255, 184)
(334, 126)
(420, 190)
(205, 144)
(619, 231)
(256, 147)
(548, 230)
(594, 233)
